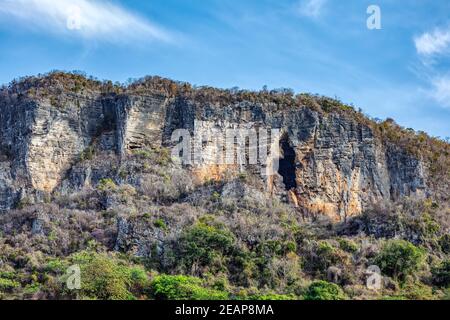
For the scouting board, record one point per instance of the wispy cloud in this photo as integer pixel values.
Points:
(90, 19)
(311, 8)
(433, 43)
(441, 90)
(433, 48)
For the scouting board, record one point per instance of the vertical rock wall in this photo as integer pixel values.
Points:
(339, 167)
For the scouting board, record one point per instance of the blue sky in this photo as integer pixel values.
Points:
(320, 46)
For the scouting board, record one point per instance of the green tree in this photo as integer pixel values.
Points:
(167, 287)
(322, 290)
(107, 278)
(441, 274)
(399, 258)
(203, 242)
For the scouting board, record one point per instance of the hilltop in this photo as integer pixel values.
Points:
(87, 179)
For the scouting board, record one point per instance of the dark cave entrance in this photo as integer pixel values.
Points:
(287, 164)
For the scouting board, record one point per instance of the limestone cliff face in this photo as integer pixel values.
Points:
(338, 166)
(41, 139)
(332, 164)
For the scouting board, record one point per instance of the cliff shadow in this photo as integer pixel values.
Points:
(287, 163)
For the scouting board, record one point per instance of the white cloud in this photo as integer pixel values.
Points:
(90, 19)
(311, 8)
(433, 43)
(441, 90)
(433, 48)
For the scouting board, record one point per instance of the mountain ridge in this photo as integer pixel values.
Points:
(88, 181)
(148, 110)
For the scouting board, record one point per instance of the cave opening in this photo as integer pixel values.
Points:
(287, 164)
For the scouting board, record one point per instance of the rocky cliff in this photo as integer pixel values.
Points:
(333, 160)
(91, 177)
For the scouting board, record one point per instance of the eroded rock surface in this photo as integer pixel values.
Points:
(336, 166)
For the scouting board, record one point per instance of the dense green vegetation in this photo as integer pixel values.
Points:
(167, 287)
(322, 290)
(211, 257)
(441, 274)
(399, 258)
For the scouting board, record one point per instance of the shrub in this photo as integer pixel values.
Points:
(348, 245)
(322, 290)
(272, 248)
(138, 279)
(107, 278)
(203, 242)
(87, 154)
(107, 184)
(142, 154)
(444, 242)
(322, 255)
(55, 265)
(399, 258)
(417, 291)
(32, 288)
(163, 156)
(275, 264)
(6, 285)
(441, 274)
(446, 294)
(160, 224)
(166, 287)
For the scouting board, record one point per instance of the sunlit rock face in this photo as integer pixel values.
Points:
(331, 164)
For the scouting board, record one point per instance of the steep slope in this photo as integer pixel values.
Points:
(87, 179)
(340, 164)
